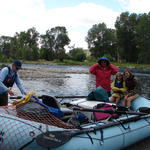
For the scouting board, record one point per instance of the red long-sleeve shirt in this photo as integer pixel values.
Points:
(103, 76)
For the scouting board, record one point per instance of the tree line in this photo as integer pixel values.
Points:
(128, 42)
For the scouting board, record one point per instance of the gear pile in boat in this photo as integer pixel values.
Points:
(36, 110)
(29, 118)
(26, 119)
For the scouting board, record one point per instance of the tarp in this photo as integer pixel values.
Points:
(56, 112)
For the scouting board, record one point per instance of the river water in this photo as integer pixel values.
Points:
(70, 84)
(74, 84)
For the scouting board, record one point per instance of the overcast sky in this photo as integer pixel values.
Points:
(78, 16)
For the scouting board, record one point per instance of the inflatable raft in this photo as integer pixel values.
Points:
(20, 133)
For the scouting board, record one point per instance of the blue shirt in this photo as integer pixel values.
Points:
(3, 74)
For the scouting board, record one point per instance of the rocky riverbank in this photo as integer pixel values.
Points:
(47, 72)
(50, 72)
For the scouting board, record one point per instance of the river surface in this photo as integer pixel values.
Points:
(70, 84)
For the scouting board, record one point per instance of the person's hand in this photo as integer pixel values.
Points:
(25, 93)
(120, 91)
(111, 81)
(10, 92)
(111, 66)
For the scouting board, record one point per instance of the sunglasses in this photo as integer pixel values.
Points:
(103, 62)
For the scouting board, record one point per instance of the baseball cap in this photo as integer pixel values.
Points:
(18, 64)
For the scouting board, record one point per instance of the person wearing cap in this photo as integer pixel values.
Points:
(9, 76)
(103, 71)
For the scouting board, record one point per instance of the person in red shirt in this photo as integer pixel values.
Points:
(103, 71)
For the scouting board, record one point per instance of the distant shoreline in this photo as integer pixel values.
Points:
(87, 63)
(34, 69)
(50, 72)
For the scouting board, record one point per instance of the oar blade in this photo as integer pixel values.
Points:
(52, 139)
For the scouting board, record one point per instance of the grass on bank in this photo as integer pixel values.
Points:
(86, 63)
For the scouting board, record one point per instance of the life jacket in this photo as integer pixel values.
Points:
(118, 84)
(9, 80)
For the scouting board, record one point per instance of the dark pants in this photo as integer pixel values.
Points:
(4, 99)
(109, 94)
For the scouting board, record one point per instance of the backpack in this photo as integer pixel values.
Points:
(102, 116)
(99, 94)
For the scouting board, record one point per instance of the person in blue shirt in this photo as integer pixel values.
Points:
(9, 76)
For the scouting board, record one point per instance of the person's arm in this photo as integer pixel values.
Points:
(3, 74)
(124, 89)
(114, 69)
(93, 69)
(20, 85)
(114, 89)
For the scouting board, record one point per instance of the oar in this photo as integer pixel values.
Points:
(15, 97)
(52, 139)
(110, 111)
(19, 97)
(70, 96)
(65, 96)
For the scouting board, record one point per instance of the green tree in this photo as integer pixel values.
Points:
(53, 43)
(143, 38)
(27, 44)
(101, 40)
(5, 46)
(61, 40)
(47, 46)
(126, 34)
(77, 54)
